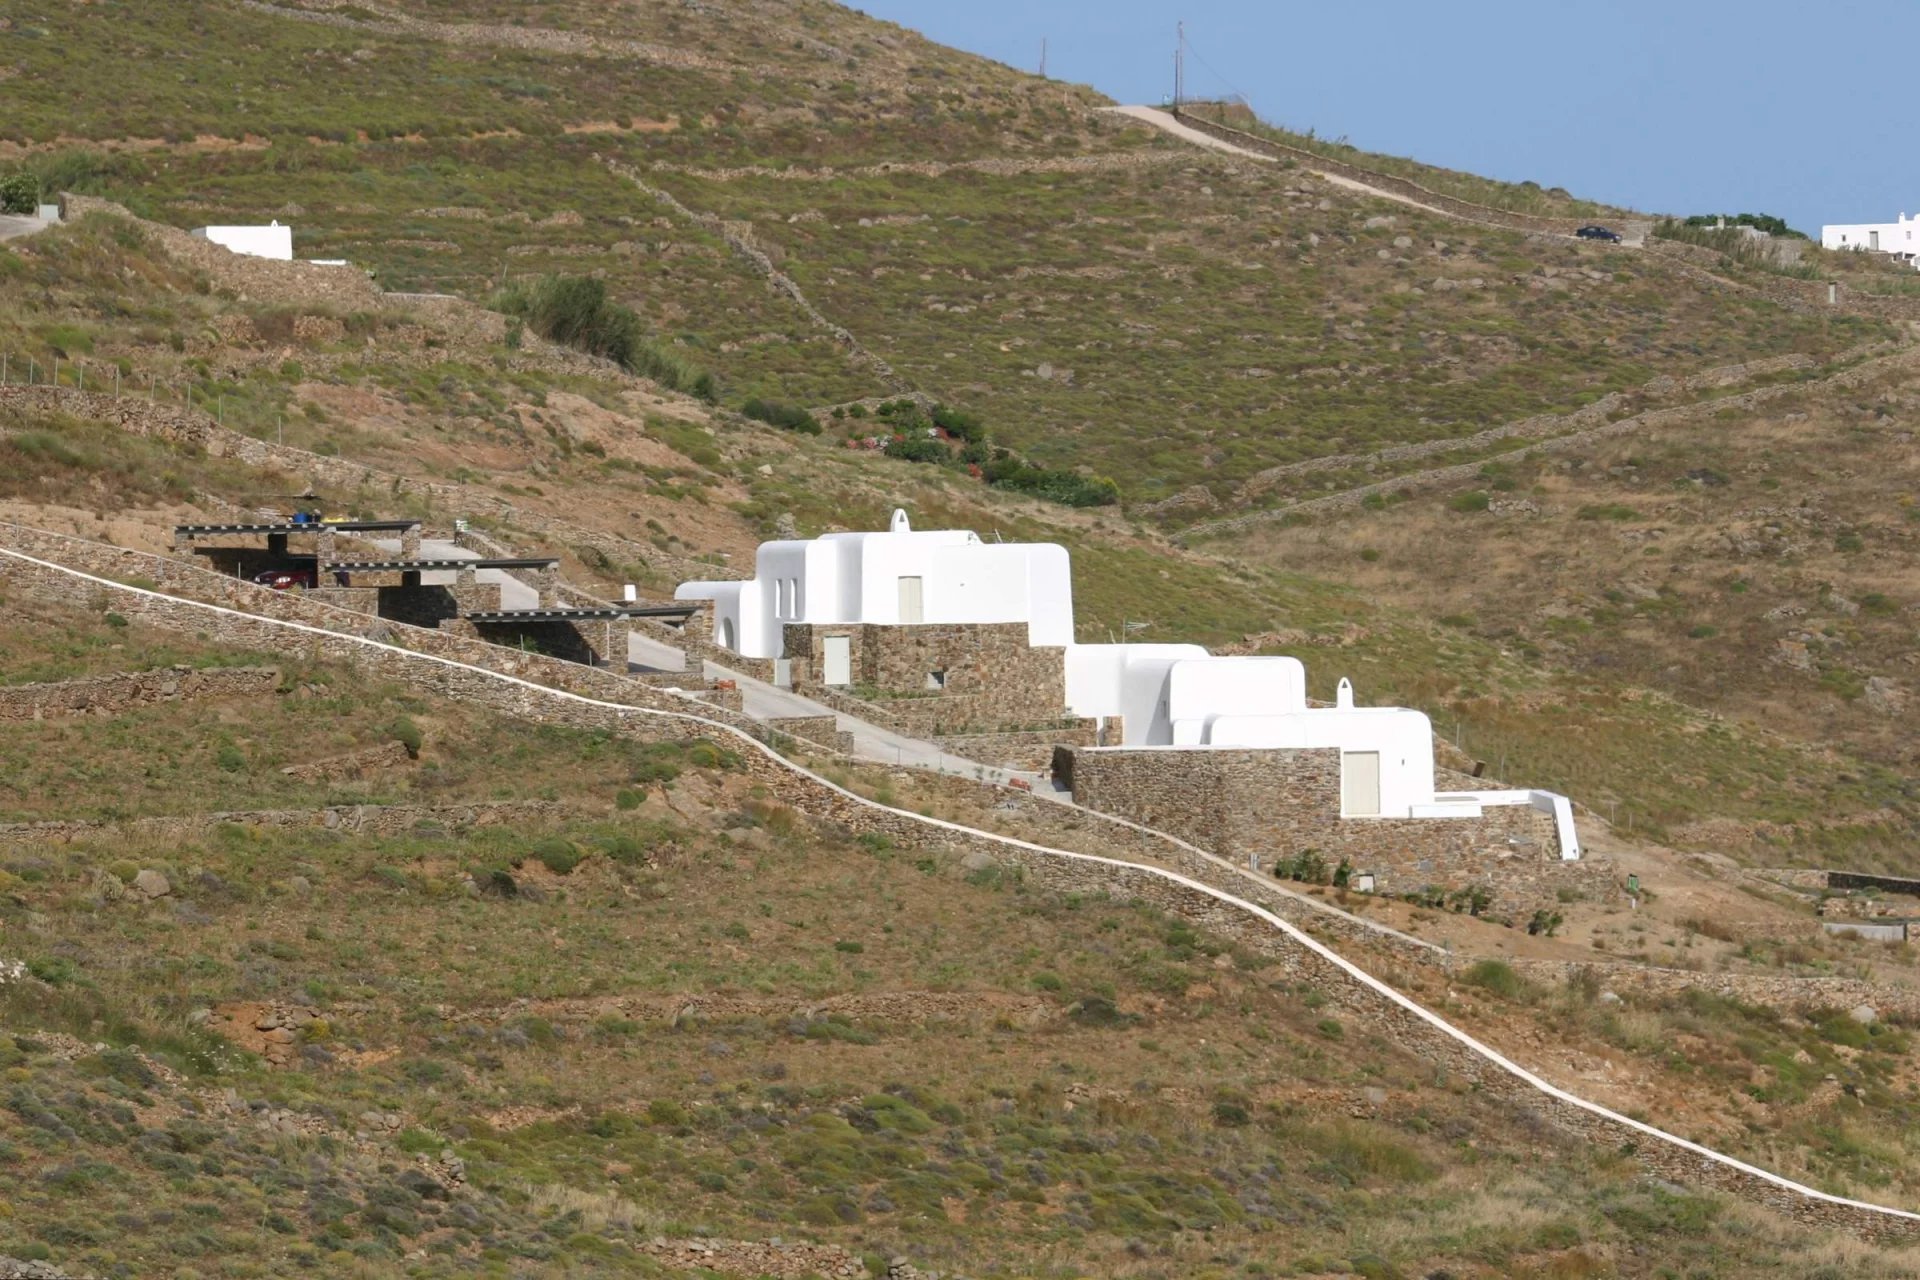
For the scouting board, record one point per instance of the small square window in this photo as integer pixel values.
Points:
(937, 679)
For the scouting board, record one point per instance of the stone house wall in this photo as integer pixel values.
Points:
(1449, 1052)
(940, 678)
(122, 691)
(1275, 803)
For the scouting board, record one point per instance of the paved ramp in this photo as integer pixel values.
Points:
(12, 227)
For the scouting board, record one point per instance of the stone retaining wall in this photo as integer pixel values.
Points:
(1030, 750)
(1351, 499)
(122, 691)
(824, 730)
(1769, 991)
(179, 578)
(365, 819)
(354, 764)
(193, 429)
(1450, 1052)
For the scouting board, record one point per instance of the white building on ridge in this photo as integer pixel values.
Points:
(1898, 238)
(898, 577)
(273, 241)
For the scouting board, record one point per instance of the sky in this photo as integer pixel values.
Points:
(1757, 107)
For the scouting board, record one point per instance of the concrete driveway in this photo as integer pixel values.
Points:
(12, 226)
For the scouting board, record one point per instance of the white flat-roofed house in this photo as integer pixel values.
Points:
(271, 241)
(898, 577)
(1899, 238)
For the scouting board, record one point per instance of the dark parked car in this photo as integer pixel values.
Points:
(284, 579)
(1598, 233)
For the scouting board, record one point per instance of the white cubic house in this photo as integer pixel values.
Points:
(902, 576)
(272, 241)
(1899, 238)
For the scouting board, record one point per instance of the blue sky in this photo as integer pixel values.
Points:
(1755, 106)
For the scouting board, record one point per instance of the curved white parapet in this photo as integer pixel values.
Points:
(1545, 801)
(1891, 1216)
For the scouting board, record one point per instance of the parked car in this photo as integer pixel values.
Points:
(284, 579)
(1598, 233)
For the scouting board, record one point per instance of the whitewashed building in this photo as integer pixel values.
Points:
(272, 241)
(1180, 698)
(901, 576)
(1899, 238)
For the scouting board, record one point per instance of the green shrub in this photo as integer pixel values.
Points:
(404, 731)
(557, 855)
(230, 758)
(19, 193)
(1069, 488)
(1475, 500)
(628, 799)
(1498, 977)
(788, 417)
(576, 312)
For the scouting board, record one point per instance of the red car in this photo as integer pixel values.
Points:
(284, 579)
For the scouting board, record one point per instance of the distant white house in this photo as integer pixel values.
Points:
(272, 241)
(901, 576)
(1899, 238)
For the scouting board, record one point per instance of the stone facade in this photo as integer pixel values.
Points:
(938, 678)
(1029, 750)
(110, 695)
(1275, 803)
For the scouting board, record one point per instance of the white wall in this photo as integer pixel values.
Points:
(273, 241)
(1900, 238)
(1095, 671)
(1403, 737)
(1201, 689)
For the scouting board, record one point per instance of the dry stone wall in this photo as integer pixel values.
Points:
(193, 429)
(365, 819)
(1449, 1051)
(1766, 990)
(123, 691)
(178, 577)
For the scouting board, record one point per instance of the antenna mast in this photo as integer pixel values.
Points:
(1043, 57)
(1179, 66)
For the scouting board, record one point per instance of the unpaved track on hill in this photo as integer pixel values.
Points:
(1168, 123)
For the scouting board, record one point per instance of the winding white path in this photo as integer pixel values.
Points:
(1893, 1218)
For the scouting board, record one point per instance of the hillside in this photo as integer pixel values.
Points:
(572, 991)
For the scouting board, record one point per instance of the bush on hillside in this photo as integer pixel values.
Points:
(962, 426)
(788, 417)
(918, 449)
(576, 312)
(1067, 487)
(19, 193)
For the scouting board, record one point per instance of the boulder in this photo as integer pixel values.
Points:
(151, 884)
(1864, 1014)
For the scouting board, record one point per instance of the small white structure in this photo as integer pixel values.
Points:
(898, 577)
(272, 241)
(1899, 238)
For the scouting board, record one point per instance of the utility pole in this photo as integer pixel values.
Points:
(1179, 65)
(1043, 57)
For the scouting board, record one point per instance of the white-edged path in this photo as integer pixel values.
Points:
(1866, 1215)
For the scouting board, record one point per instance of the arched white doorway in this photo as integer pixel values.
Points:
(726, 634)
